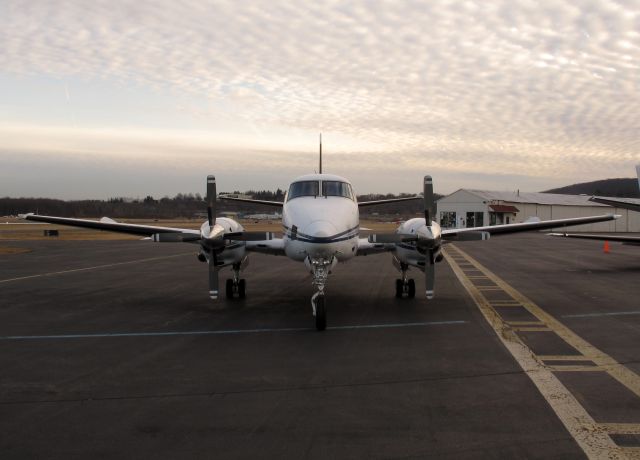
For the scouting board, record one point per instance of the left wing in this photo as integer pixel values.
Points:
(276, 204)
(585, 236)
(525, 226)
(179, 234)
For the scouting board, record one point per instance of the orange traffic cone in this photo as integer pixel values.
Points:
(606, 247)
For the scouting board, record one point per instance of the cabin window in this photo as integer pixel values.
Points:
(303, 188)
(336, 188)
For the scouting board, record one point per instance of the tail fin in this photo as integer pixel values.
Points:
(321, 154)
(638, 172)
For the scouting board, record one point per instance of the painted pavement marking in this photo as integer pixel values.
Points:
(223, 331)
(95, 267)
(590, 436)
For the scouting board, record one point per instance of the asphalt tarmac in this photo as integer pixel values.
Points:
(112, 349)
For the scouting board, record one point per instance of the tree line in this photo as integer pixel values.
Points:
(183, 205)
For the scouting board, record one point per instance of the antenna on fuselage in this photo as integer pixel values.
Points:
(320, 153)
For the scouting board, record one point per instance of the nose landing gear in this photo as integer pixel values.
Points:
(320, 270)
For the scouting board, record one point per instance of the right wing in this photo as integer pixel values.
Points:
(623, 203)
(585, 236)
(452, 233)
(362, 204)
(366, 247)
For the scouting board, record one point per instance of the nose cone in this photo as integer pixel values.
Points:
(321, 230)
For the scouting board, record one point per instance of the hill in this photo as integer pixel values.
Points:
(623, 188)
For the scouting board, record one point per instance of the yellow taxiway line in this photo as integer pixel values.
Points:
(594, 438)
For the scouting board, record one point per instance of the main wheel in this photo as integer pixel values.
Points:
(229, 289)
(399, 288)
(242, 288)
(412, 288)
(321, 314)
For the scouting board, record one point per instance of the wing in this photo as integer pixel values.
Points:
(276, 204)
(585, 236)
(623, 203)
(164, 233)
(366, 247)
(362, 204)
(527, 226)
(273, 246)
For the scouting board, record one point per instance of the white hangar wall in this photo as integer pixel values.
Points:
(518, 207)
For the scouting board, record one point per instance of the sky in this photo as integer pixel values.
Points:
(117, 98)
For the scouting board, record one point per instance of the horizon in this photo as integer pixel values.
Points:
(283, 189)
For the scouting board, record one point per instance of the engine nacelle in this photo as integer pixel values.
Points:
(427, 241)
(233, 252)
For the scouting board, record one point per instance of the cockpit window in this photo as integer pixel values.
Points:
(304, 188)
(336, 188)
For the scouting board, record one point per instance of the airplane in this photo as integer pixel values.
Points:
(262, 216)
(321, 227)
(632, 204)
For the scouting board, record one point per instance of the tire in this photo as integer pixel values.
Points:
(229, 289)
(321, 314)
(412, 288)
(242, 293)
(399, 288)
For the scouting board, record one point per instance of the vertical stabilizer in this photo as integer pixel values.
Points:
(638, 173)
(320, 153)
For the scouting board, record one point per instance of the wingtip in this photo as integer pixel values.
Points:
(24, 216)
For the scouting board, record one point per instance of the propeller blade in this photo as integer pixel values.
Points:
(211, 200)
(213, 275)
(429, 275)
(429, 204)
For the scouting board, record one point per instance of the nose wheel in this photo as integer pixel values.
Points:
(319, 311)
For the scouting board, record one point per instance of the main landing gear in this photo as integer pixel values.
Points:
(236, 285)
(405, 286)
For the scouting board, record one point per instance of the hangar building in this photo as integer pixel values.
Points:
(475, 208)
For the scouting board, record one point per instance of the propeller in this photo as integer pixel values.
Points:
(429, 263)
(213, 274)
(211, 217)
(211, 200)
(429, 203)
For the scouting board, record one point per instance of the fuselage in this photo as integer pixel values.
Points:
(320, 219)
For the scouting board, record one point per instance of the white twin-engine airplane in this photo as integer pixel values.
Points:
(321, 226)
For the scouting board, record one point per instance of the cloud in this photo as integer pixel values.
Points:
(527, 89)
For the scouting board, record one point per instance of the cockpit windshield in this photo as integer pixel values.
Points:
(336, 188)
(303, 188)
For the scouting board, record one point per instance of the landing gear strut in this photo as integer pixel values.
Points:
(236, 285)
(405, 285)
(320, 271)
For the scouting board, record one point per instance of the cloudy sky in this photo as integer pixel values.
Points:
(101, 99)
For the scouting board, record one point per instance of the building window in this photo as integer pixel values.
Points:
(475, 219)
(447, 219)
